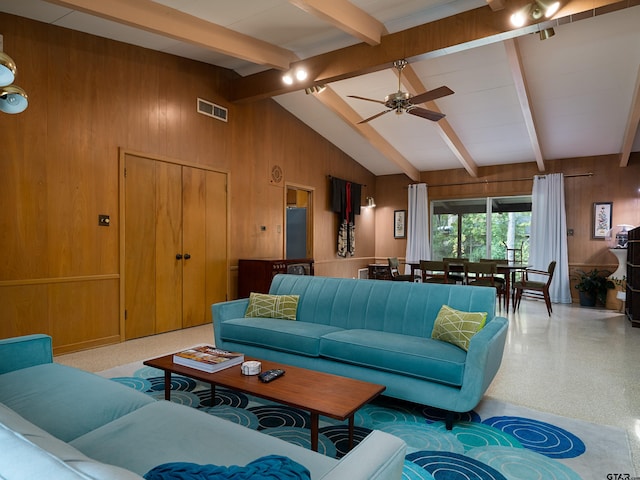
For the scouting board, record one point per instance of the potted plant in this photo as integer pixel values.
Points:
(592, 286)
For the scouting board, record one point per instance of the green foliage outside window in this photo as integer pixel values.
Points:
(510, 227)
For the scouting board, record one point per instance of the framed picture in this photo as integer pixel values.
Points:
(602, 214)
(399, 224)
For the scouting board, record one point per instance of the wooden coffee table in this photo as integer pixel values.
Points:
(316, 392)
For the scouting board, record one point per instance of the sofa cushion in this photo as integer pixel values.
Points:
(403, 354)
(65, 401)
(165, 432)
(30, 452)
(272, 306)
(301, 338)
(456, 327)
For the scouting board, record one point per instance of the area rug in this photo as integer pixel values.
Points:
(496, 441)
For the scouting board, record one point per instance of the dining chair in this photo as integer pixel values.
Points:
(484, 274)
(455, 275)
(535, 288)
(394, 267)
(434, 271)
(500, 278)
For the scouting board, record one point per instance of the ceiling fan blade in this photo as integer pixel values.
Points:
(431, 95)
(367, 99)
(374, 116)
(424, 113)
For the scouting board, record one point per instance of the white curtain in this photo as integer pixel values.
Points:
(418, 224)
(549, 233)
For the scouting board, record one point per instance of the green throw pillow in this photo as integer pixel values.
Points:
(456, 327)
(263, 305)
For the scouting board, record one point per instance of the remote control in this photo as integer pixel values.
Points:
(269, 375)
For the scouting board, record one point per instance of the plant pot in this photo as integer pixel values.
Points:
(587, 299)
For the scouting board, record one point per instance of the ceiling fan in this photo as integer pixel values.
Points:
(403, 102)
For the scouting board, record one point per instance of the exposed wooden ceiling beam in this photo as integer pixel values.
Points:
(515, 62)
(157, 18)
(336, 104)
(466, 28)
(415, 86)
(345, 16)
(632, 124)
(495, 5)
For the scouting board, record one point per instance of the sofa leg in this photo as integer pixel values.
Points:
(448, 420)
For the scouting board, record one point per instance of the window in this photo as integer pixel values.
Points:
(481, 227)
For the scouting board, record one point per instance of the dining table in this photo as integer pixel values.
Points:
(508, 269)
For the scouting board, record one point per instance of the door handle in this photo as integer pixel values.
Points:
(187, 256)
(178, 256)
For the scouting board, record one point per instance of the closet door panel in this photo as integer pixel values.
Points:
(216, 240)
(193, 237)
(168, 247)
(140, 247)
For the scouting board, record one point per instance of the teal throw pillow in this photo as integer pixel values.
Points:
(456, 327)
(263, 305)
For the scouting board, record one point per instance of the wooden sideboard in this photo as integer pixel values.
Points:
(255, 274)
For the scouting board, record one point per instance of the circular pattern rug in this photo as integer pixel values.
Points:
(496, 448)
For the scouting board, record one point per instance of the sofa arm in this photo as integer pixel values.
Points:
(483, 361)
(224, 311)
(22, 352)
(380, 456)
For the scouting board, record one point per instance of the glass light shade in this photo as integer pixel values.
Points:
(13, 99)
(618, 236)
(8, 70)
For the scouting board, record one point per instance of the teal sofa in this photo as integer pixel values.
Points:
(377, 331)
(58, 422)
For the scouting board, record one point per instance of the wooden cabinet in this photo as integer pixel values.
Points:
(255, 274)
(175, 245)
(633, 277)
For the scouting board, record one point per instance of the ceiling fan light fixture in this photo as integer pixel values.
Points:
(547, 33)
(13, 99)
(8, 70)
(315, 89)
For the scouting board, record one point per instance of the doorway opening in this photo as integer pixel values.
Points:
(298, 222)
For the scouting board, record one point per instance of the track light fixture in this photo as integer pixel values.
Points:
(534, 11)
(13, 99)
(371, 202)
(299, 74)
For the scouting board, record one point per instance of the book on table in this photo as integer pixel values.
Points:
(207, 358)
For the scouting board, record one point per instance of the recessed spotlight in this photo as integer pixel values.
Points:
(301, 74)
(518, 19)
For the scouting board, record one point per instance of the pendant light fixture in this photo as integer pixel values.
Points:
(13, 99)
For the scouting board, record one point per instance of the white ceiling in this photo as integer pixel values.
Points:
(580, 83)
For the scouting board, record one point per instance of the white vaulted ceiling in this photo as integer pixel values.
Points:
(517, 98)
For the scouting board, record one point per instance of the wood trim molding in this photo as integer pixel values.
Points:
(51, 280)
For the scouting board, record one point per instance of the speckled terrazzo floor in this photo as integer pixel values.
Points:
(581, 363)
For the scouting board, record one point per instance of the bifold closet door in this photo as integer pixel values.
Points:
(153, 243)
(175, 245)
(204, 236)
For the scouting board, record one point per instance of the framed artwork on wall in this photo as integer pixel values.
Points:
(602, 214)
(399, 224)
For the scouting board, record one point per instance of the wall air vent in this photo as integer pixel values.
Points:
(212, 110)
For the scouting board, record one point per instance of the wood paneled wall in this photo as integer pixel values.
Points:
(609, 183)
(90, 96)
